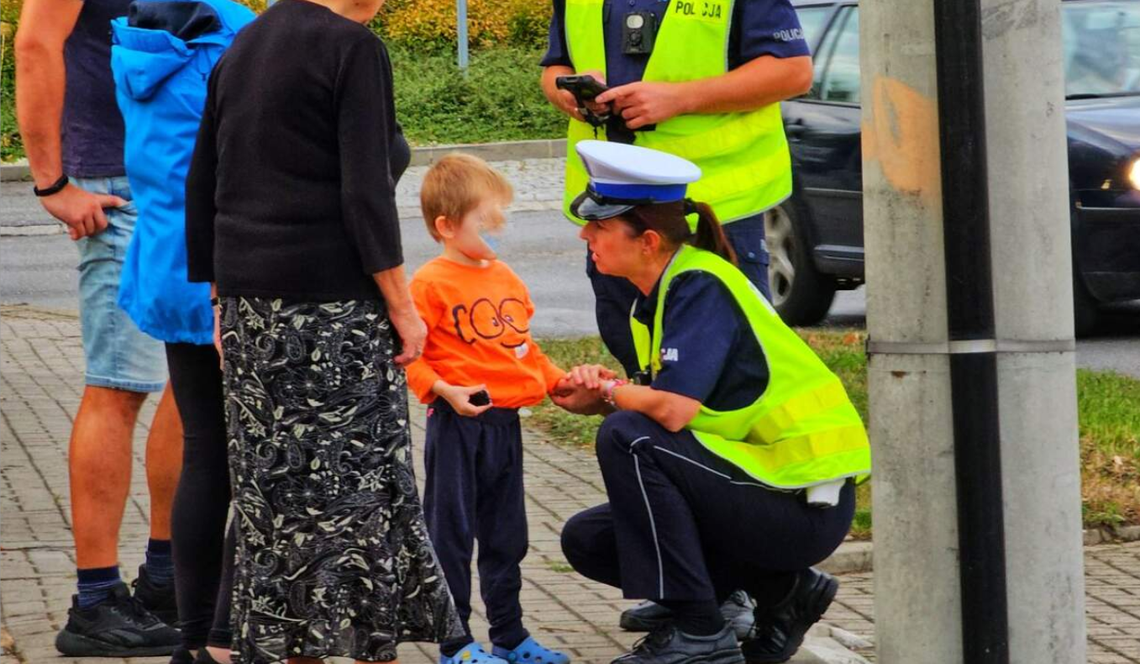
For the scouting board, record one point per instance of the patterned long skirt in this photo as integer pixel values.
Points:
(333, 556)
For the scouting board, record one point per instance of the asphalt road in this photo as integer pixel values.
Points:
(540, 246)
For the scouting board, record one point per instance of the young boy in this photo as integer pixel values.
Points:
(479, 366)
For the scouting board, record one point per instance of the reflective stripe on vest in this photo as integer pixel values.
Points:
(744, 159)
(803, 430)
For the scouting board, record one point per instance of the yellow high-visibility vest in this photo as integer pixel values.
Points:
(803, 430)
(744, 160)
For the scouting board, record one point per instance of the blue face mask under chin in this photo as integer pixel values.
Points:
(491, 240)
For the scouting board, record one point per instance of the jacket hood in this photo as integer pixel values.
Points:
(158, 38)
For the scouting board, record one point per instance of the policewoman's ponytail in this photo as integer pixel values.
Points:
(710, 234)
(669, 221)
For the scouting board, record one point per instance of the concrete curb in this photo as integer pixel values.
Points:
(421, 156)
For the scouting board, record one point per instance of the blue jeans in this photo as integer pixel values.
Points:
(614, 296)
(118, 354)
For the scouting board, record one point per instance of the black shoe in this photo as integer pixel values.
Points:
(117, 627)
(648, 616)
(181, 656)
(668, 645)
(157, 599)
(204, 657)
(780, 629)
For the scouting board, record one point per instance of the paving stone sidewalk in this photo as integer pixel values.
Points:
(41, 367)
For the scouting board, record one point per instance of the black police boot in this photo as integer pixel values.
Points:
(648, 615)
(780, 629)
(668, 645)
(157, 599)
(118, 627)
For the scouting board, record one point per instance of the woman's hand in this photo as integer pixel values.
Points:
(578, 399)
(412, 331)
(460, 397)
(591, 376)
(218, 335)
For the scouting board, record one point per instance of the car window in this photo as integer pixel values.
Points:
(811, 20)
(1101, 42)
(841, 76)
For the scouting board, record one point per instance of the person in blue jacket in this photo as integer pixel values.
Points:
(161, 58)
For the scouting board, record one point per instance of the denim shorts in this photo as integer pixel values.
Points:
(118, 354)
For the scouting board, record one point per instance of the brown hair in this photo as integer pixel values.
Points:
(668, 220)
(457, 184)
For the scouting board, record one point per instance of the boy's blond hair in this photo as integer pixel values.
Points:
(457, 184)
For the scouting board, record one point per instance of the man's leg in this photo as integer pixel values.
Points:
(123, 365)
(747, 238)
(99, 462)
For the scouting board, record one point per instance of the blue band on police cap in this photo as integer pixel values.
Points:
(658, 193)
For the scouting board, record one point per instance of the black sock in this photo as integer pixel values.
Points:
(698, 618)
(95, 585)
(159, 562)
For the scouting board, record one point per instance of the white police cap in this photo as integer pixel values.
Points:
(624, 176)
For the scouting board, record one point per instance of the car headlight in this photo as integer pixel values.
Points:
(1134, 173)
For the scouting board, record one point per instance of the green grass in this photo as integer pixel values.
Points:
(1109, 417)
(499, 99)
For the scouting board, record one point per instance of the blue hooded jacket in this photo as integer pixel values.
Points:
(161, 56)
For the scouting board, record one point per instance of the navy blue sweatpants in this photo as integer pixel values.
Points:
(614, 296)
(683, 524)
(474, 490)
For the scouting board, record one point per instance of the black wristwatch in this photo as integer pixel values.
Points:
(53, 189)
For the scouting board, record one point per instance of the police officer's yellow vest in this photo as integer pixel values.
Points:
(803, 430)
(744, 160)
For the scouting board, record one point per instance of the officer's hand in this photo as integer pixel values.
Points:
(645, 103)
(577, 398)
(81, 211)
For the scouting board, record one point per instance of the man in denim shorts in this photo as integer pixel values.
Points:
(73, 133)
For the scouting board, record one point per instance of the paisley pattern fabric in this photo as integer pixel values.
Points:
(333, 557)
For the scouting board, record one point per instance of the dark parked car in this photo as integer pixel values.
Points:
(816, 236)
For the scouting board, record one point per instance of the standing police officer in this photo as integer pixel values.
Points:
(700, 79)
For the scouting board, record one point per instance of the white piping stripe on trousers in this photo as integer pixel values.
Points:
(713, 471)
(652, 524)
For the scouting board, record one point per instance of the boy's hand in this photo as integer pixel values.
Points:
(578, 399)
(460, 398)
(591, 376)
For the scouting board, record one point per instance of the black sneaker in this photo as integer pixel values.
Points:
(118, 627)
(157, 599)
(668, 645)
(780, 629)
(648, 616)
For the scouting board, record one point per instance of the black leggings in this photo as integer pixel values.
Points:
(200, 540)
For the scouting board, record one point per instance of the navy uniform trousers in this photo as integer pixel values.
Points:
(614, 296)
(474, 490)
(682, 524)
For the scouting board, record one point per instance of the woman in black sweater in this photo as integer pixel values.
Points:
(291, 215)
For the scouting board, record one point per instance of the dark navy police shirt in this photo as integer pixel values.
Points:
(759, 27)
(708, 350)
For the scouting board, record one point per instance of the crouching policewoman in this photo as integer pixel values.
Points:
(732, 461)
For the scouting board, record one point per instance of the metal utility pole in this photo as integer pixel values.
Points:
(969, 310)
(461, 32)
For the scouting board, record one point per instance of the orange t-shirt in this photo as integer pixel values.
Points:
(478, 321)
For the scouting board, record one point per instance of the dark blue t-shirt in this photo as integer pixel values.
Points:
(708, 350)
(759, 27)
(92, 127)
